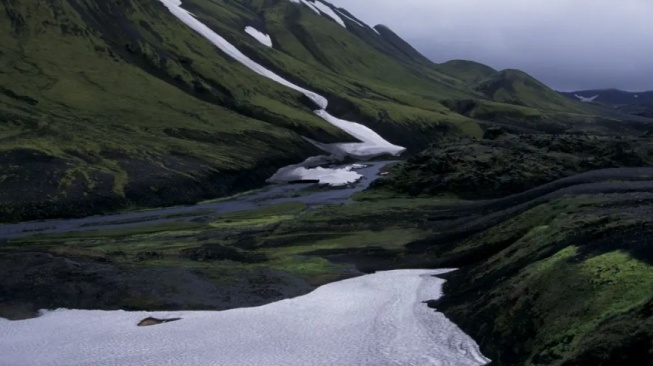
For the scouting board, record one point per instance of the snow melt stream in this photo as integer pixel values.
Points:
(371, 145)
(378, 319)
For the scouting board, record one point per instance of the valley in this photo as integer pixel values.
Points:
(281, 175)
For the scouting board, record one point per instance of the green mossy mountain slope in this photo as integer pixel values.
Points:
(517, 87)
(555, 268)
(565, 283)
(116, 104)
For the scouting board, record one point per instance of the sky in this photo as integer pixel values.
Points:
(567, 44)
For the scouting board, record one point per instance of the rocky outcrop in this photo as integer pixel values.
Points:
(503, 164)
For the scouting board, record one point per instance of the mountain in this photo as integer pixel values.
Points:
(467, 71)
(519, 88)
(639, 104)
(113, 104)
(612, 96)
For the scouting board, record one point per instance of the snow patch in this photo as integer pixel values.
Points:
(311, 6)
(328, 176)
(329, 12)
(378, 319)
(585, 99)
(308, 4)
(371, 145)
(259, 36)
(357, 166)
(175, 8)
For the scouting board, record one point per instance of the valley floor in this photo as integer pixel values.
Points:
(575, 249)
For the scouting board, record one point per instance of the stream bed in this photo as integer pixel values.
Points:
(308, 193)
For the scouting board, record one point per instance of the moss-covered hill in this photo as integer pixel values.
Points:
(568, 282)
(559, 274)
(113, 104)
(502, 164)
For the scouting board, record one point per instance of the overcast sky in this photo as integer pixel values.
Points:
(568, 44)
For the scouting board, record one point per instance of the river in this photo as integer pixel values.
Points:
(310, 194)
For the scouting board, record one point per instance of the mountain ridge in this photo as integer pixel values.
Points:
(115, 82)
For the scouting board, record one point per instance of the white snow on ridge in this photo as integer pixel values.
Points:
(352, 19)
(585, 99)
(308, 4)
(370, 145)
(311, 6)
(259, 36)
(361, 24)
(378, 319)
(329, 12)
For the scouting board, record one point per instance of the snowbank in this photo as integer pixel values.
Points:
(259, 36)
(378, 319)
(311, 169)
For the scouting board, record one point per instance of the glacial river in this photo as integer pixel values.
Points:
(311, 194)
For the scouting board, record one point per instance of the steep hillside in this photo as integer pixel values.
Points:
(555, 267)
(567, 281)
(118, 103)
(113, 104)
(402, 46)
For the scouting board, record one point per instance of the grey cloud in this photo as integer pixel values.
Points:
(568, 44)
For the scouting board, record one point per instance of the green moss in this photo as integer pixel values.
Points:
(314, 269)
(592, 292)
(553, 282)
(157, 229)
(180, 98)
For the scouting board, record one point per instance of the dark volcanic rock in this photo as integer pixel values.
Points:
(495, 167)
(147, 322)
(216, 252)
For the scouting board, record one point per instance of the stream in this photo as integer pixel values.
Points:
(308, 193)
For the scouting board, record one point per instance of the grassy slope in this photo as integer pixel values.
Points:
(567, 282)
(517, 87)
(362, 83)
(93, 97)
(100, 87)
(230, 248)
(570, 284)
(123, 105)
